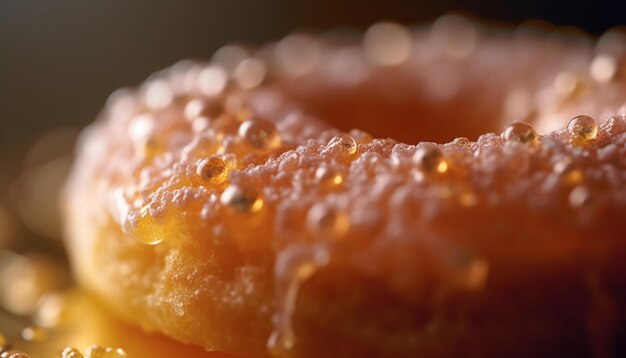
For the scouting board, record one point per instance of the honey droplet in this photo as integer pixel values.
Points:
(147, 230)
(520, 132)
(293, 266)
(324, 221)
(582, 129)
(34, 334)
(96, 351)
(345, 144)
(430, 158)
(241, 200)
(260, 134)
(328, 177)
(71, 352)
(462, 141)
(212, 170)
(14, 354)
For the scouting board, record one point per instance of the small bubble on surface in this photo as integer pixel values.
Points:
(345, 144)
(430, 158)
(582, 129)
(520, 132)
(328, 177)
(212, 170)
(326, 221)
(241, 200)
(260, 134)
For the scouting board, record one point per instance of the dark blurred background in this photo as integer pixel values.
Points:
(59, 60)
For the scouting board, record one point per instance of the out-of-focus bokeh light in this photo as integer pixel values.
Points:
(26, 278)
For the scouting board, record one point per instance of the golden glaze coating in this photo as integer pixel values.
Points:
(217, 205)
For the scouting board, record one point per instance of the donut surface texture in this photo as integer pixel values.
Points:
(232, 205)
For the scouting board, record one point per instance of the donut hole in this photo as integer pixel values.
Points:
(405, 113)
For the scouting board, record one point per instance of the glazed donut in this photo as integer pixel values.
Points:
(230, 205)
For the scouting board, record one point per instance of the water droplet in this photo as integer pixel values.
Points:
(260, 134)
(34, 334)
(326, 222)
(582, 129)
(344, 144)
(71, 352)
(241, 200)
(462, 141)
(212, 170)
(430, 158)
(521, 132)
(328, 177)
(146, 229)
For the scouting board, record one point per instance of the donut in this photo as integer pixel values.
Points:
(476, 211)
